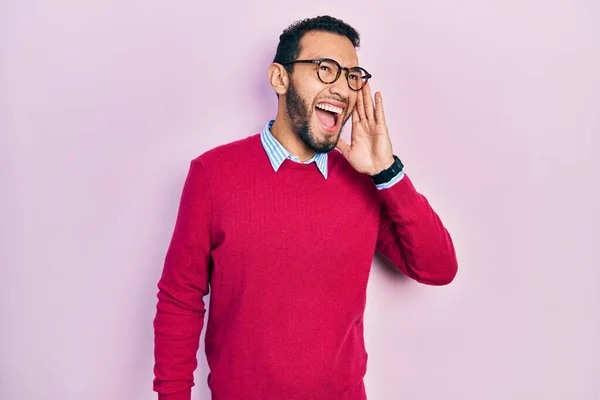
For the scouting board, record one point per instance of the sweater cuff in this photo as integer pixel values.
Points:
(392, 181)
(183, 395)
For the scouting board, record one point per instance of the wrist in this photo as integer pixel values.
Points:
(383, 165)
(389, 172)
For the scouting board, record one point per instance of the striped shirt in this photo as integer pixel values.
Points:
(277, 154)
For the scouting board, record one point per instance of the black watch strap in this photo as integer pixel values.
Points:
(387, 174)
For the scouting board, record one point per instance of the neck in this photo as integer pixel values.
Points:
(283, 132)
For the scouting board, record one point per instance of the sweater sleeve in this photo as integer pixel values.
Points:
(181, 290)
(412, 236)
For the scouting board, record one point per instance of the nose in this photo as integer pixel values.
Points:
(340, 87)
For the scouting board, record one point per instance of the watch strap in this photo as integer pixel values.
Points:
(387, 174)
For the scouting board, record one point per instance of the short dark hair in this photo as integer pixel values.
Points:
(289, 41)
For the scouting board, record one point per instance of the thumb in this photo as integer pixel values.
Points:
(343, 147)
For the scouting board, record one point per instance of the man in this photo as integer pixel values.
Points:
(283, 228)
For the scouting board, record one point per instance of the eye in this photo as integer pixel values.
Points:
(324, 67)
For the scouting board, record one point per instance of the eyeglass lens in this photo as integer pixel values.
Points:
(328, 72)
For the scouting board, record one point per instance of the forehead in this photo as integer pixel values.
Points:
(318, 44)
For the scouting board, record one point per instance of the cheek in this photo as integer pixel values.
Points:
(311, 91)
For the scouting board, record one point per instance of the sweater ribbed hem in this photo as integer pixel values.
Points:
(183, 395)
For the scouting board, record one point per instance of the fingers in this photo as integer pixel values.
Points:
(379, 114)
(355, 116)
(355, 122)
(360, 106)
(366, 109)
(368, 102)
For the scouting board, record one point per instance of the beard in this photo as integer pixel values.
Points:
(300, 117)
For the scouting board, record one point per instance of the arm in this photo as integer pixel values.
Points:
(412, 236)
(182, 286)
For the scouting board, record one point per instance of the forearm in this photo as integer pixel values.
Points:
(413, 237)
(182, 287)
(177, 327)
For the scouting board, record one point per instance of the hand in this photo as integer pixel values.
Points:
(370, 151)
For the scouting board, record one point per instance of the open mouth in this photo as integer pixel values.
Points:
(329, 116)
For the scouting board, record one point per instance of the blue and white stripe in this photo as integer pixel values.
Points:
(278, 154)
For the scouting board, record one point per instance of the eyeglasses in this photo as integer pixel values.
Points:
(330, 70)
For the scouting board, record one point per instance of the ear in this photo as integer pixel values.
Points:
(279, 78)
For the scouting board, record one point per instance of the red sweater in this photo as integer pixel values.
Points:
(287, 255)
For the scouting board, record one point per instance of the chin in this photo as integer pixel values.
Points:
(318, 137)
(323, 141)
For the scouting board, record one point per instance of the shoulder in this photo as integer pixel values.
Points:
(221, 156)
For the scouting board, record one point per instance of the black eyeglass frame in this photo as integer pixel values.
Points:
(318, 62)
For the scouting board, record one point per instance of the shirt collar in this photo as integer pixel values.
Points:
(278, 154)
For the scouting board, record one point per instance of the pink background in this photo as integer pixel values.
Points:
(493, 106)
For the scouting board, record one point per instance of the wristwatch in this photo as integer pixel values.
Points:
(387, 174)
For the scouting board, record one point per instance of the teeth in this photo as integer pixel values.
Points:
(329, 107)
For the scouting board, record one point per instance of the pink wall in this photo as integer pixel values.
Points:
(494, 109)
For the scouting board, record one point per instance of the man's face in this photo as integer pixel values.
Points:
(306, 95)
